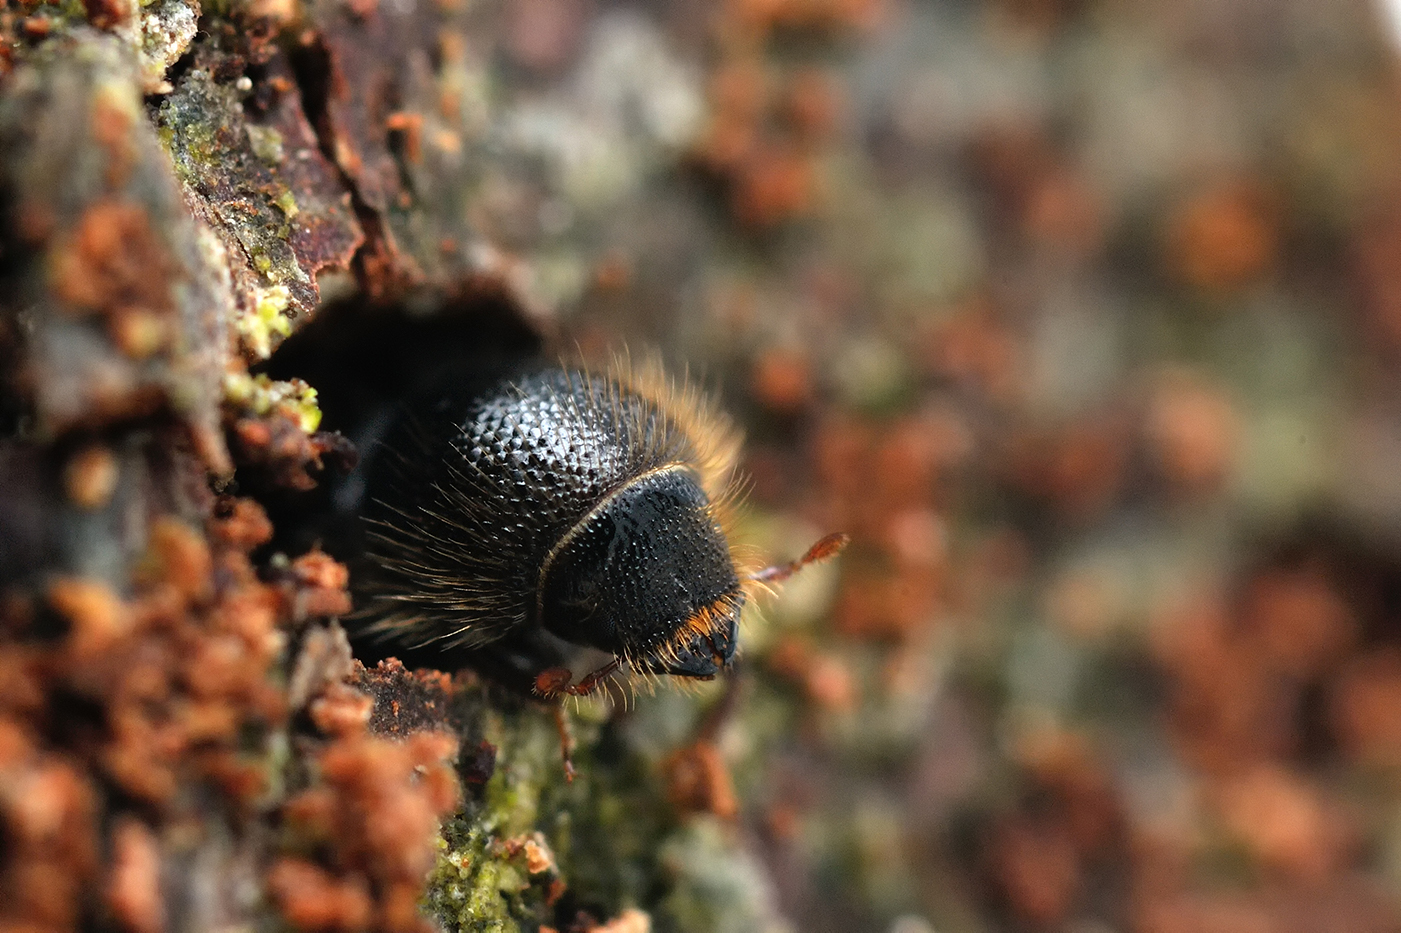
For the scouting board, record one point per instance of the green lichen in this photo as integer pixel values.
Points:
(192, 147)
(263, 396)
(267, 319)
(616, 841)
(481, 881)
(287, 203)
(266, 143)
(216, 151)
(475, 886)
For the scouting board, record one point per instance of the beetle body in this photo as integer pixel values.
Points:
(553, 510)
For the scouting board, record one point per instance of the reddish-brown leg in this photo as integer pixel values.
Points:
(566, 743)
(553, 683)
(823, 549)
(587, 685)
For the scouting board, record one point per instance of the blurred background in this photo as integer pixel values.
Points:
(1083, 318)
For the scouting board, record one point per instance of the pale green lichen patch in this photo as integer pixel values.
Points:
(262, 396)
(266, 143)
(531, 848)
(474, 886)
(482, 881)
(287, 204)
(217, 152)
(267, 319)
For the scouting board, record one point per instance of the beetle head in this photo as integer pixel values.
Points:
(648, 576)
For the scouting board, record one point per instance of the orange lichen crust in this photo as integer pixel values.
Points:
(121, 716)
(115, 709)
(113, 264)
(284, 453)
(361, 838)
(407, 701)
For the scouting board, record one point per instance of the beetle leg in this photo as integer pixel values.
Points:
(566, 743)
(554, 682)
(587, 685)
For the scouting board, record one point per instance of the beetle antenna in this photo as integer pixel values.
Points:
(827, 547)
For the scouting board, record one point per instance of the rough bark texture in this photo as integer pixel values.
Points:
(185, 741)
(1081, 316)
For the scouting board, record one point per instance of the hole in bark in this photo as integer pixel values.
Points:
(367, 361)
